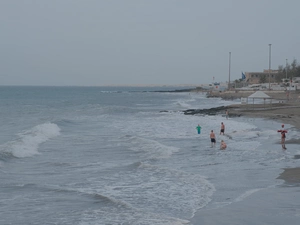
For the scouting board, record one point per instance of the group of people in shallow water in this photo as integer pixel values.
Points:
(212, 136)
(223, 145)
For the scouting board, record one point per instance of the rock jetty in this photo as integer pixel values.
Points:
(211, 111)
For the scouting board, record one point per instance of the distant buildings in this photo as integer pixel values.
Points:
(261, 77)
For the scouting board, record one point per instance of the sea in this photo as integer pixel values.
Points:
(128, 156)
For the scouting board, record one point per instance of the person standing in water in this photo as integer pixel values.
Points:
(226, 112)
(283, 132)
(222, 128)
(212, 138)
(198, 129)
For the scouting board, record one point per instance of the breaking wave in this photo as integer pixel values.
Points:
(28, 141)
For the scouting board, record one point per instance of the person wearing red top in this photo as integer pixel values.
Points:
(283, 132)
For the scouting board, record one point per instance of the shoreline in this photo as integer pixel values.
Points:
(271, 205)
(267, 206)
(288, 113)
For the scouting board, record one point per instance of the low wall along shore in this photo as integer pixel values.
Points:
(278, 95)
(284, 107)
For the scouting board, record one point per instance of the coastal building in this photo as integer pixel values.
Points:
(215, 86)
(296, 79)
(261, 77)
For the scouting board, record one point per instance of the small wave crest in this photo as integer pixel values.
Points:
(247, 194)
(28, 141)
(183, 104)
(151, 148)
(65, 122)
(164, 187)
(141, 187)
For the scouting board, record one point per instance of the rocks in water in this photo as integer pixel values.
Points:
(179, 90)
(211, 111)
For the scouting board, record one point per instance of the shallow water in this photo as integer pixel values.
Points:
(107, 155)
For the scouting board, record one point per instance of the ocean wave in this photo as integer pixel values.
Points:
(135, 193)
(28, 141)
(95, 195)
(132, 217)
(110, 92)
(65, 122)
(98, 197)
(183, 104)
(247, 194)
(177, 192)
(150, 148)
(4, 156)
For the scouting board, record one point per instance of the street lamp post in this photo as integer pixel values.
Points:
(288, 93)
(269, 66)
(229, 70)
(285, 68)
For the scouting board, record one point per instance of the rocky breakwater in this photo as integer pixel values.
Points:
(234, 111)
(211, 111)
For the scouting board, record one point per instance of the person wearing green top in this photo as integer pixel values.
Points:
(198, 129)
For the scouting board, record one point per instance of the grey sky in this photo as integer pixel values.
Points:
(107, 42)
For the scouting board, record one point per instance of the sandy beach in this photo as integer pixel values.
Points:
(283, 112)
(286, 111)
(277, 205)
(266, 207)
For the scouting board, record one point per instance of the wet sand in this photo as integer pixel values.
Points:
(291, 176)
(274, 206)
(283, 112)
(270, 206)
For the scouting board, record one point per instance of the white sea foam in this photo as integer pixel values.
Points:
(241, 197)
(175, 125)
(141, 190)
(151, 148)
(28, 142)
(183, 104)
(182, 192)
(110, 215)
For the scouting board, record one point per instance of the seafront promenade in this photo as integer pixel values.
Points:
(284, 107)
(292, 96)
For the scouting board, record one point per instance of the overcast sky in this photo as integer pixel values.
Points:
(131, 42)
